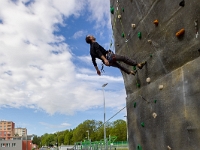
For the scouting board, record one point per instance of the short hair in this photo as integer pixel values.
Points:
(87, 39)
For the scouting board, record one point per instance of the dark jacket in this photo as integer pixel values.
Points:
(96, 51)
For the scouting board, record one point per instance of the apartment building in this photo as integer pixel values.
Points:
(7, 129)
(20, 131)
(17, 143)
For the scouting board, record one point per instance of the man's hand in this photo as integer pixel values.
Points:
(106, 62)
(99, 72)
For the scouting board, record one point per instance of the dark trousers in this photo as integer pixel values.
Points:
(124, 59)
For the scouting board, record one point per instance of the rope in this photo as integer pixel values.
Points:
(110, 118)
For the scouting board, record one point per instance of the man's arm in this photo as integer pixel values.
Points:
(97, 48)
(95, 66)
(105, 60)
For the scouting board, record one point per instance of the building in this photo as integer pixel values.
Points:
(20, 131)
(7, 129)
(17, 143)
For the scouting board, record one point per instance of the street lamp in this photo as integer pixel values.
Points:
(104, 115)
(127, 127)
(57, 141)
(88, 134)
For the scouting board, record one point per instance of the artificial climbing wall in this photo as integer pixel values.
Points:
(163, 99)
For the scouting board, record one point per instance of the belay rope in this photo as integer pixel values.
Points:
(102, 70)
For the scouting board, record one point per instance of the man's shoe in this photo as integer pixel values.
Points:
(133, 72)
(141, 65)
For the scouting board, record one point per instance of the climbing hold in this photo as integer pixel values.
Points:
(182, 3)
(180, 32)
(112, 10)
(196, 24)
(134, 104)
(191, 128)
(139, 35)
(197, 35)
(119, 16)
(123, 35)
(134, 67)
(139, 147)
(123, 9)
(117, 44)
(156, 22)
(142, 124)
(133, 26)
(149, 41)
(155, 101)
(169, 148)
(160, 87)
(196, 27)
(154, 115)
(151, 55)
(148, 80)
(138, 85)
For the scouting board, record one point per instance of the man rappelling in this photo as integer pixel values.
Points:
(109, 58)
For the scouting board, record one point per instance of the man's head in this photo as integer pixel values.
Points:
(89, 39)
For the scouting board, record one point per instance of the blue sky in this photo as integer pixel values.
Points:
(47, 80)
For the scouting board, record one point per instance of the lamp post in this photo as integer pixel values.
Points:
(57, 141)
(127, 127)
(88, 134)
(104, 116)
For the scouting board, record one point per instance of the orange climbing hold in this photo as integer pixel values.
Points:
(155, 22)
(180, 32)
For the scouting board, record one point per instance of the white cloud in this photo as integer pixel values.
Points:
(48, 125)
(79, 34)
(31, 75)
(88, 60)
(100, 12)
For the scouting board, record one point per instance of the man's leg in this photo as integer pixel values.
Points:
(116, 64)
(128, 61)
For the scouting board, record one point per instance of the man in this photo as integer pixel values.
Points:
(109, 58)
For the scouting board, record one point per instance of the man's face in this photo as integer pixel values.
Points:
(92, 38)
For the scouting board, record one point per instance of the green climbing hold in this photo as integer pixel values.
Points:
(134, 67)
(123, 9)
(139, 35)
(134, 104)
(155, 101)
(138, 85)
(123, 35)
(139, 147)
(112, 10)
(151, 55)
(142, 124)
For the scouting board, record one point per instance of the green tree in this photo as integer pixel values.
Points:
(36, 140)
(80, 133)
(119, 129)
(68, 136)
(61, 139)
(96, 133)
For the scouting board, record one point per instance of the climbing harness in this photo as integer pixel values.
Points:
(110, 56)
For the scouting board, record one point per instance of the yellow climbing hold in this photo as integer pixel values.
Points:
(160, 87)
(169, 148)
(119, 16)
(148, 80)
(154, 115)
(133, 26)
